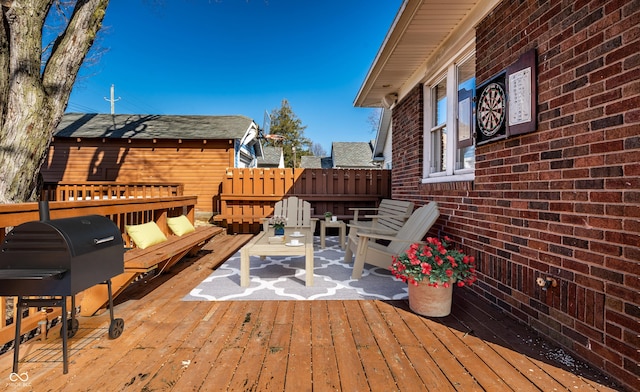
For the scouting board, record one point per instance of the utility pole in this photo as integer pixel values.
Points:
(112, 100)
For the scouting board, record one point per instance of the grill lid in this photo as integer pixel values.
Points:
(77, 236)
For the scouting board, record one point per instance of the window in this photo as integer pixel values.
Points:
(449, 148)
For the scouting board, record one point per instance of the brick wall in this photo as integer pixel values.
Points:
(563, 201)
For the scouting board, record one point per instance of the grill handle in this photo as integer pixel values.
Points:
(99, 241)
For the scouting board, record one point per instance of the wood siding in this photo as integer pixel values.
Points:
(198, 165)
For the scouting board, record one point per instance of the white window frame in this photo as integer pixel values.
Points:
(450, 174)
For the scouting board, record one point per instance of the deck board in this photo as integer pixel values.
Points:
(175, 345)
(402, 371)
(298, 369)
(325, 366)
(372, 358)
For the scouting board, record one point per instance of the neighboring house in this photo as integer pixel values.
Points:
(344, 155)
(314, 162)
(271, 157)
(541, 177)
(352, 155)
(192, 150)
(382, 146)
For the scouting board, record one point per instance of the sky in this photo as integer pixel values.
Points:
(239, 57)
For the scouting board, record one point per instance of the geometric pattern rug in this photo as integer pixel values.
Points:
(283, 277)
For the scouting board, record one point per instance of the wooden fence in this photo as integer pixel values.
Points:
(121, 211)
(248, 195)
(61, 191)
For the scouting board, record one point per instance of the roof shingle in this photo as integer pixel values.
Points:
(133, 126)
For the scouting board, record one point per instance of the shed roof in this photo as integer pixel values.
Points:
(134, 126)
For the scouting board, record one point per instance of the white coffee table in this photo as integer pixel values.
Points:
(261, 246)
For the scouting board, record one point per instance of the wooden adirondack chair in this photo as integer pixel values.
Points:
(297, 212)
(390, 215)
(368, 251)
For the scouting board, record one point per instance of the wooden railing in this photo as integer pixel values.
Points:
(248, 195)
(121, 211)
(60, 191)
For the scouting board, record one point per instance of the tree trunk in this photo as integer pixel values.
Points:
(33, 98)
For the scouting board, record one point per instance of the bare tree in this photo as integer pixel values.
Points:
(35, 84)
(318, 150)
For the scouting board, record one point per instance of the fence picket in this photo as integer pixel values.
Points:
(248, 195)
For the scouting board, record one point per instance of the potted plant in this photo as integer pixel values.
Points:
(278, 223)
(327, 216)
(431, 269)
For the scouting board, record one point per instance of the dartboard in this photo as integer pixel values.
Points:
(491, 109)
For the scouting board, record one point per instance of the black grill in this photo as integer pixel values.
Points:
(60, 258)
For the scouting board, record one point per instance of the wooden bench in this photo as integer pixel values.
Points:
(389, 216)
(138, 261)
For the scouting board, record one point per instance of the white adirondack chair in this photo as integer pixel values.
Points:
(297, 212)
(368, 251)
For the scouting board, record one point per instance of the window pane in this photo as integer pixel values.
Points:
(439, 132)
(465, 155)
(440, 94)
(438, 149)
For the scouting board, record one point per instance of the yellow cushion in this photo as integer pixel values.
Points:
(180, 225)
(146, 234)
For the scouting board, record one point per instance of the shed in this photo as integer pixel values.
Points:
(129, 148)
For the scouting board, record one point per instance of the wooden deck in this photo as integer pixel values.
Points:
(168, 344)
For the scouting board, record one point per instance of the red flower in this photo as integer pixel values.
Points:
(436, 263)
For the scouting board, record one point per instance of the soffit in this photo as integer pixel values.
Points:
(420, 28)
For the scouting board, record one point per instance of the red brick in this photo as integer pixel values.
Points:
(623, 106)
(590, 189)
(607, 96)
(605, 73)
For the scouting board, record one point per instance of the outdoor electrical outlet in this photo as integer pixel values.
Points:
(547, 282)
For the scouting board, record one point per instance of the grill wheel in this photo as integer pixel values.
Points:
(72, 328)
(115, 328)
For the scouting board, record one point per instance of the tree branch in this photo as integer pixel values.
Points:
(71, 48)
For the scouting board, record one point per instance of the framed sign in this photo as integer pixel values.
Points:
(491, 110)
(522, 93)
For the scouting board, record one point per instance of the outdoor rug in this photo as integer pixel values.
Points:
(283, 278)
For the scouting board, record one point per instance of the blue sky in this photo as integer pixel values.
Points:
(217, 57)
